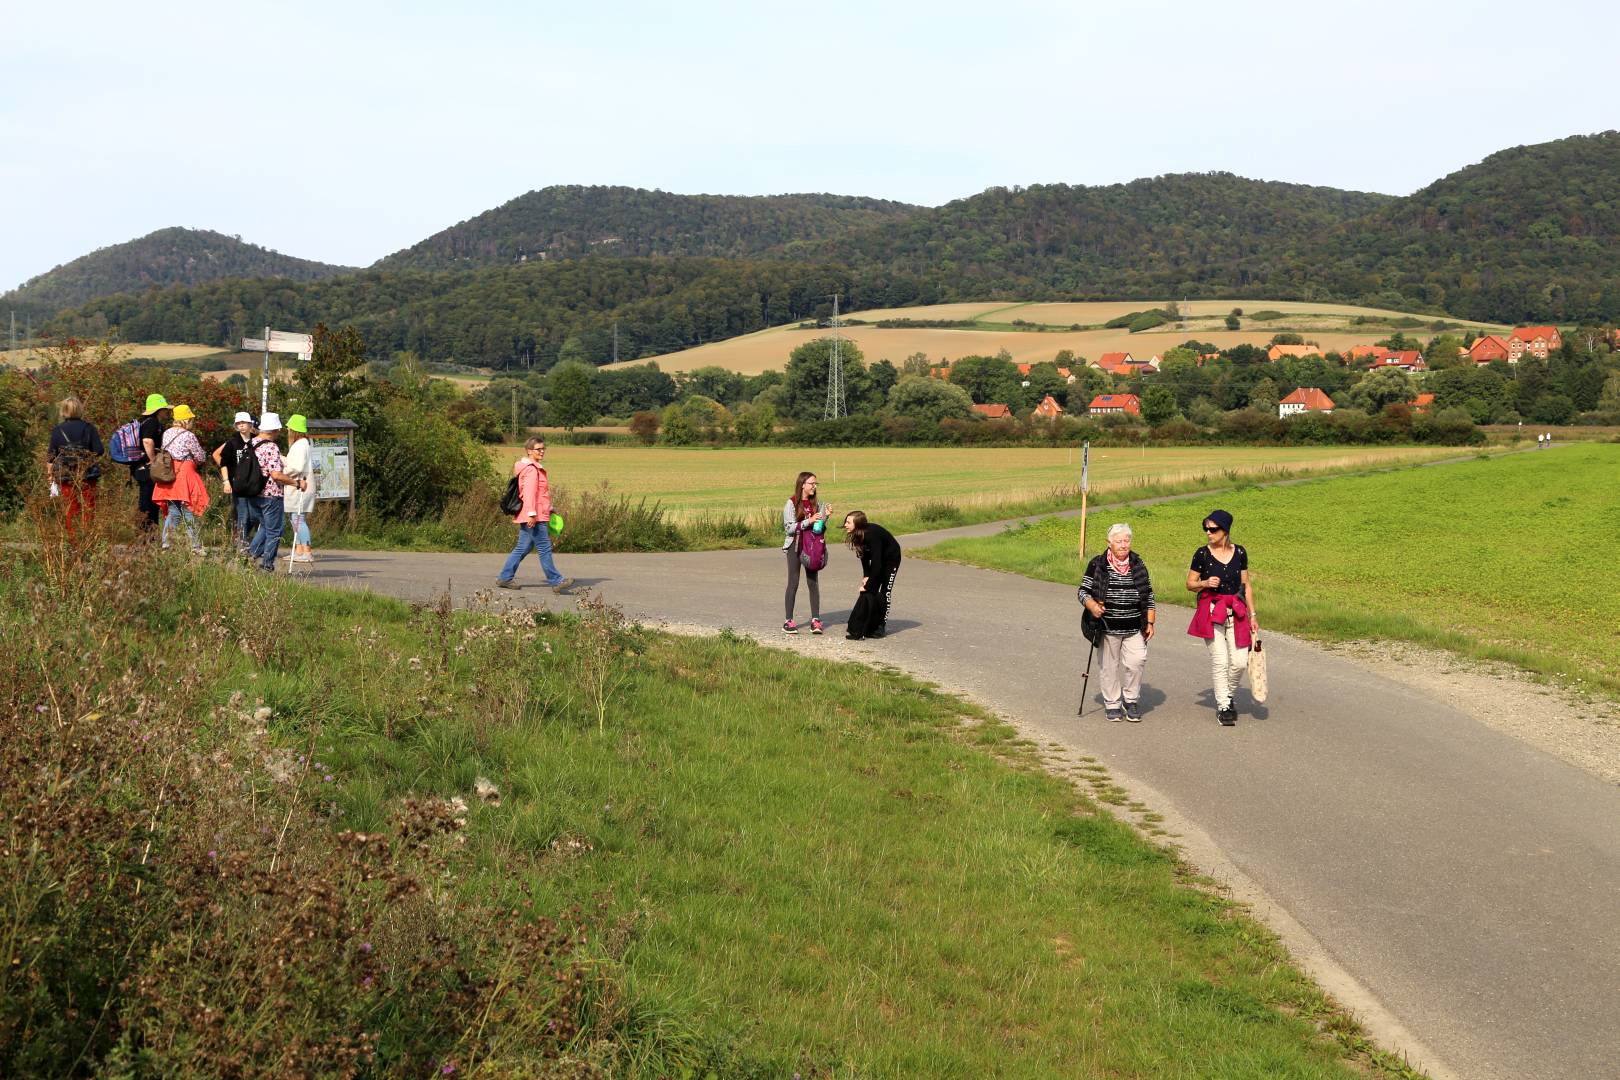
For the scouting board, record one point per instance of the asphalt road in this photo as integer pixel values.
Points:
(1457, 888)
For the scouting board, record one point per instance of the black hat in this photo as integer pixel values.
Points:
(1220, 519)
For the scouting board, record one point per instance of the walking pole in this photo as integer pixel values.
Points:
(1085, 683)
(1085, 490)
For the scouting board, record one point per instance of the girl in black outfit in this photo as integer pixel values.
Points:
(879, 552)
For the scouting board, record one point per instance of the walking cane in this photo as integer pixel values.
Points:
(1085, 490)
(1085, 683)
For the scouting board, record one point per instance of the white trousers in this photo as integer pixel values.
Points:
(1123, 659)
(1227, 662)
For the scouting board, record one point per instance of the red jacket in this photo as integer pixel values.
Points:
(535, 490)
(1211, 611)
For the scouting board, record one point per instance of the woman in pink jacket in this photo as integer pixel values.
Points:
(533, 521)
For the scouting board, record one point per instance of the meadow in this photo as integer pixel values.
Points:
(500, 842)
(1501, 558)
(1047, 331)
(891, 481)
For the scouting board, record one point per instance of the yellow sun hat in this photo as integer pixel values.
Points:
(183, 412)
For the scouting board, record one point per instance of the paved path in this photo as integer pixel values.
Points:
(1468, 883)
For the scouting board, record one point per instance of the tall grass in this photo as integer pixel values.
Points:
(347, 836)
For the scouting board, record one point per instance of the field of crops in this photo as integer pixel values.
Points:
(881, 479)
(1507, 557)
(28, 358)
(1329, 325)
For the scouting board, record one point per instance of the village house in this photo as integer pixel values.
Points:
(1422, 403)
(1538, 341)
(994, 412)
(1115, 403)
(1048, 409)
(1408, 360)
(1305, 399)
(1364, 352)
(1489, 348)
(1115, 363)
(1277, 352)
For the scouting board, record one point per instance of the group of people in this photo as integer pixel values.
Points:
(1118, 592)
(804, 523)
(274, 490)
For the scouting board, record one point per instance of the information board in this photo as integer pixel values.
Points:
(334, 474)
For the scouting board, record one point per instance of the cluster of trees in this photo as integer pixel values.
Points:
(572, 221)
(166, 257)
(534, 315)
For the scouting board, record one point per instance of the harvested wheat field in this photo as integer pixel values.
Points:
(31, 358)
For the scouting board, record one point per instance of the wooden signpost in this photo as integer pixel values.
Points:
(277, 341)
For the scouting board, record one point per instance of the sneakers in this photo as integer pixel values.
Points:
(506, 583)
(1133, 712)
(879, 632)
(562, 586)
(1227, 716)
(854, 637)
(1114, 713)
(815, 626)
(790, 627)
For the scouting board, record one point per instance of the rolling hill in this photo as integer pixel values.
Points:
(572, 221)
(175, 256)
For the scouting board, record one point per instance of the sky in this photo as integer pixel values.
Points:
(343, 131)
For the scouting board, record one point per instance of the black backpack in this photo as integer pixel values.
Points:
(512, 501)
(247, 479)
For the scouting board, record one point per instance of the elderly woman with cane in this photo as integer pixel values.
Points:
(1117, 591)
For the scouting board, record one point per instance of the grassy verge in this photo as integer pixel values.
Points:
(1501, 558)
(521, 844)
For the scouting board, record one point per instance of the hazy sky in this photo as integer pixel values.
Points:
(343, 131)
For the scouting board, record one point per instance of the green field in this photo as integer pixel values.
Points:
(883, 480)
(780, 866)
(1502, 557)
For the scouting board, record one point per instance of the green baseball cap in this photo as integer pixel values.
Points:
(154, 402)
(297, 422)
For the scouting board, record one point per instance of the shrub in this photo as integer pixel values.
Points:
(644, 426)
(1145, 321)
(599, 520)
(414, 461)
(1265, 316)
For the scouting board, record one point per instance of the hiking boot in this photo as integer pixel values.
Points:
(815, 626)
(562, 586)
(1227, 716)
(790, 627)
(1133, 712)
(1114, 713)
(506, 583)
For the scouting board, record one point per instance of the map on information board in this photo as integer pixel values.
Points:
(333, 475)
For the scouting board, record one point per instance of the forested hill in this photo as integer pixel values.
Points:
(1530, 234)
(503, 314)
(1170, 235)
(167, 257)
(571, 221)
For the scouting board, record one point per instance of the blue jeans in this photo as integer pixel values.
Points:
(537, 537)
(247, 517)
(267, 541)
(177, 512)
(300, 526)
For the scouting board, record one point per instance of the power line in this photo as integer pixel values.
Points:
(836, 407)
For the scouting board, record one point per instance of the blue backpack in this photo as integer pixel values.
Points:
(125, 445)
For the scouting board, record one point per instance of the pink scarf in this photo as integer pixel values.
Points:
(1119, 566)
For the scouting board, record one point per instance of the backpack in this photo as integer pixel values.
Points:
(247, 479)
(512, 501)
(125, 445)
(812, 550)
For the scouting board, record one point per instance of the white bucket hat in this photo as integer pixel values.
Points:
(242, 418)
(270, 422)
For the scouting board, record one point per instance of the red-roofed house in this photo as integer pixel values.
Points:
(1422, 403)
(994, 412)
(1535, 340)
(1048, 409)
(1023, 369)
(1115, 363)
(1408, 360)
(1305, 399)
(1277, 352)
(1364, 352)
(1066, 374)
(1115, 403)
(1489, 348)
